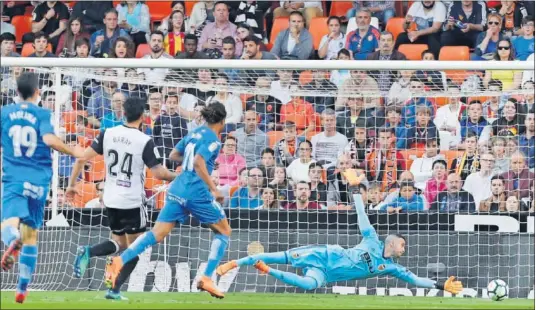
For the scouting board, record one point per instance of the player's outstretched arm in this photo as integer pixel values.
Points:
(175, 156)
(451, 285)
(55, 143)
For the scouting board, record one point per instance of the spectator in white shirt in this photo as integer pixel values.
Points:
(281, 89)
(422, 167)
(232, 103)
(334, 41)
(309, 9)
(399, 92)
(328, 144)
(447, 119)
(478, 183)
(298, 170)
(156, 42)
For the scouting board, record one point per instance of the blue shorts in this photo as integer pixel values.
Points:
(312, 259)
(25, 201)
(177, 209)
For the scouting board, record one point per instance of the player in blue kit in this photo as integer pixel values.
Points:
(330, 263)
(27, 137)
(192, 192)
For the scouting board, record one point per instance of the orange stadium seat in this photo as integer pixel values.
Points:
(87, 191)
(280, 24)
(28, 49)
(410, 156)
(454, 53)
(150, 181)
(451, 155)
(143, 49)
(395, 26)
(412, 51)
(97, 170)
(318, 28)
(244, 98)
(340, 8)
(273, 137)
(159, 9)
(23, 24)
(69, 120)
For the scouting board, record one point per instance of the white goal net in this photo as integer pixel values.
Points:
(447, 149)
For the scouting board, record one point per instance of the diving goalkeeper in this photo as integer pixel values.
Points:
(323, 264)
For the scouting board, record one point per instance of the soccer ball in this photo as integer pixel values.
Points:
(497, 290)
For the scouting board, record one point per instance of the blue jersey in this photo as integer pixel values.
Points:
(189, 185)
(25, 157)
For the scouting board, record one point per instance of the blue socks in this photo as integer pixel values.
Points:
(217, 249)
(9, 234)
(27, 262)
(269, 258)
(306, 283)
(137, 247)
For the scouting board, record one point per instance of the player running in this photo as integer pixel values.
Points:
(193, 192)
(27, 137)
(126, 152)
(330, 263)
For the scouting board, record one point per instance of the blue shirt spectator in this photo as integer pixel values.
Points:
(103, 40)
(407, 200)
(524, 44)
(363, 40)
(100, 101)
(460, 29)
(526, 140)
(249, 197)
(410, 109)
(286, 47)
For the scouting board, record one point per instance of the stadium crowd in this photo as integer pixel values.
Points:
(284, 151)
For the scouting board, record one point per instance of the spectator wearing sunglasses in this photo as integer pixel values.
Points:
(486, 42)
(510, 79)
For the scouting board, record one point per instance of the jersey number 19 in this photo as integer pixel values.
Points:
(23, 136)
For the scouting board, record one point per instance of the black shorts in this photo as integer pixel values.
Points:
(127, 221)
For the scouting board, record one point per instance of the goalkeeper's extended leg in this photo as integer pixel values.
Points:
(268, 258)
(313, 279)
(84, 253)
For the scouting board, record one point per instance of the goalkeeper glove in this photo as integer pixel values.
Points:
(451, 285)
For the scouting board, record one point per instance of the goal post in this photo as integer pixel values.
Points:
(476, 246)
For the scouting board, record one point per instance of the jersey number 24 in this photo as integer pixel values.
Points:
(125, 167)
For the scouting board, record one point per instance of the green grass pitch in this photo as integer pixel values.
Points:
(95, 300)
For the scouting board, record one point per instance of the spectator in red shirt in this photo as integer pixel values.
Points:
(438, 182)
(303, 193)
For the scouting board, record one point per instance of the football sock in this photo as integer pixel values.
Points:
(125, 273)
(9, 234)
(306, 283)
(137, 247)
(107, 247)
(268, 258)
(27, 262)
(217, 249)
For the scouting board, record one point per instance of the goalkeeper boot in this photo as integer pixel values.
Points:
(110, 294)
(11, 254)
(20, 297)
(81, 261)
(207, 285)
(225, 268)
(113, 267)
(262, 267)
